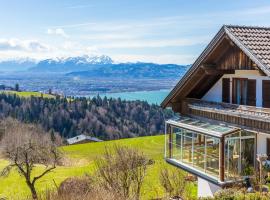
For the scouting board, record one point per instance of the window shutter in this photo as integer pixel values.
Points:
(251, 92)
(266, 93)
(226, 90)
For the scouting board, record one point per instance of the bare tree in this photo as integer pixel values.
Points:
(173, 181)
(25, 146)
(122, 169)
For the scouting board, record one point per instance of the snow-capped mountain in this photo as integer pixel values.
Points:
(72, 63)
(65, 64)
(17, 64)
(95, 66)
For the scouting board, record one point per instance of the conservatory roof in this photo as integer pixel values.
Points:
(203, 127)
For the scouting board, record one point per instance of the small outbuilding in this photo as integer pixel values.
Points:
(80, 139)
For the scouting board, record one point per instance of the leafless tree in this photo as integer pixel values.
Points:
(173, 181)
(25, 146)
(122, 169)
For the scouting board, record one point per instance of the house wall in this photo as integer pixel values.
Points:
(215, 93)
(206, 189)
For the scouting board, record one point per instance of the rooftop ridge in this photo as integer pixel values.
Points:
(246, 26)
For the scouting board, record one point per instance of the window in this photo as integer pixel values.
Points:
(244, 91)
(240, 91)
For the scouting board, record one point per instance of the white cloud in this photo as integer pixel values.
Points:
(162, 59)
(57, 31)
(22, 45)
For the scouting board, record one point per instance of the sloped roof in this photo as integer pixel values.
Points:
(256, 39)
(82, 137)
(253, 41)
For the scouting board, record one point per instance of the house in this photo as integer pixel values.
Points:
(223, 103)
(79, 139)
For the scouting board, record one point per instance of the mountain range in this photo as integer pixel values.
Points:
(94, 66)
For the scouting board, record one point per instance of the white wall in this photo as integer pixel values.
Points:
(215, 93)
(206, 189)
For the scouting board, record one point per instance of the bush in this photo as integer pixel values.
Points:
(175, 183)
(238, 194)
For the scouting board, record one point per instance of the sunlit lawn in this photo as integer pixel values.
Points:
(29, 94)
(82, 161)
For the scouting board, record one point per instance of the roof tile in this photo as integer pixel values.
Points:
(256, 39)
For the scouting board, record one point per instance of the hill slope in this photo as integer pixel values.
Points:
(133, 70)
(82, 157)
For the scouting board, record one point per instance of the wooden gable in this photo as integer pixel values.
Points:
(232, 59)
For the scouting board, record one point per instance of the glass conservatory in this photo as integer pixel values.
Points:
(215, 152)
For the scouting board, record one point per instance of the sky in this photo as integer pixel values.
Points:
(160, 31)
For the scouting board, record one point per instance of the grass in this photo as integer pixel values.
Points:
(83, 157)
(27, 94)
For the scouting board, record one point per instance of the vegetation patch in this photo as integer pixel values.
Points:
(152, 146)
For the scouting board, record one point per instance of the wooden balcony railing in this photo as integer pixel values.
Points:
(248, 116)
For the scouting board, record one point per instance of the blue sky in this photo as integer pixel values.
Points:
(161, 31)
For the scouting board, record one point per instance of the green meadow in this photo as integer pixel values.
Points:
(81, 161)
(27, 94)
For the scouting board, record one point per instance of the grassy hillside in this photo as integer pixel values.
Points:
(82, 161)
(29, 94)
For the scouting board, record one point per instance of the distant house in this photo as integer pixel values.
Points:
(224, 106)
(82, 139)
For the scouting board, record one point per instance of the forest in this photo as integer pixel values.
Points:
(104, 118)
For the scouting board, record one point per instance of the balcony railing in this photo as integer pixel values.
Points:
(248, 116)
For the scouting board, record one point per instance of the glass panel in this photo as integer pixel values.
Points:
(168, 142)
(247, 156)
(232, 158)
(239, 154)
(176, 143)
(247, 133)
(212, 155)
(187, 147)
(199, 151)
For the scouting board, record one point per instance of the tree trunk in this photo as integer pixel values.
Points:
(33, 190)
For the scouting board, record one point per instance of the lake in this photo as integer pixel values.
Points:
(152, 97)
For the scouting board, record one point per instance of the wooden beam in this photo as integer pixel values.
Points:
(212, 69)
(221, 160)
(218, 71)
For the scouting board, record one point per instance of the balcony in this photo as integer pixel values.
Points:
(246, 116)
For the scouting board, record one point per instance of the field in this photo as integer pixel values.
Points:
(29, 94)
(82, 159)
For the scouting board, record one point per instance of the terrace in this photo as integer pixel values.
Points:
(216, 152)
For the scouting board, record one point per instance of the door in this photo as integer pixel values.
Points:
(266, 93)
